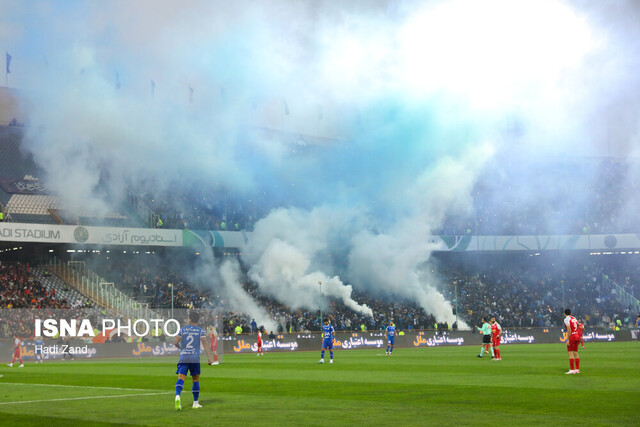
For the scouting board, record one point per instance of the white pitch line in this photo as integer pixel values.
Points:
(82, 398)
(81, 386)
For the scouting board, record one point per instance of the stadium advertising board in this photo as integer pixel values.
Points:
(466, 243)
(46, 233)
(358, 340)
(23, 186)
(470, 243)
(90, 333)
(159, 347)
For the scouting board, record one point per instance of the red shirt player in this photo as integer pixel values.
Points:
(581, 332)
(573, 332)
(260, 351)
(496, 330)
(213, 337)
(16, 353)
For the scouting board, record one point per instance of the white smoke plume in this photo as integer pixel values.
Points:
(225, 277)
(284, 252)
(237, 298)
(394, 261)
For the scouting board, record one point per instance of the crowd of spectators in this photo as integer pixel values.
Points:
(149, 279)
(199, 208)
(532, 291)
(19, 289)
(519, 290)
(594, 197)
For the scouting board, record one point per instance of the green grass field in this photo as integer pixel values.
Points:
(426, 386)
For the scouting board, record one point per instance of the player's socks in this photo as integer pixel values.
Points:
(387, 349)
(493, 354)
(576, 363)
(322, 355)
(571, 364)
(331, 354)
(179, 385)
(196, 390)
(481, 350)
(391, 351)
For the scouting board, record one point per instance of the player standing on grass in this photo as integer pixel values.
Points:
(16, 353)
(213, 337)
(391, 334)
(496, 330)
(260, 351)
(573, 340)
(188, 341)
(38, 349)
(486, 338)
(327, 342)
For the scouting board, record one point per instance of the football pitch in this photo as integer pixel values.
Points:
(424, 386)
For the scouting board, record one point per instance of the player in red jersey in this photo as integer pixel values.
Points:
(213, 337)
(16, 353)
(573, 340)
(496, 330)
(260, 351)
(581, 332)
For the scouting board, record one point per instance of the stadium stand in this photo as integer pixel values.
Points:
(520, 290)
(500, 204)
(25, 286)
(24, 195)
(57, 286)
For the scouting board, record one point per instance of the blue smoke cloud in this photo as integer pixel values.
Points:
(372, 107)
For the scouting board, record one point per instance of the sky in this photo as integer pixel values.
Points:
(413, 101)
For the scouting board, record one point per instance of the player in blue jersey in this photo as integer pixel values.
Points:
(327, 342)
(38, 344)
(188, 341)
(391, 335)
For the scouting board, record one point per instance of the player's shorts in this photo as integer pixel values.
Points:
(572, 345)
(16, 352)
(38, 351)
(259, 344)
(495, 341)
(183, 368)
(486, 339)
(391, 340)
(327, 343)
